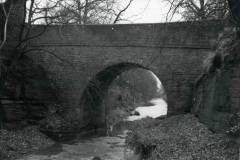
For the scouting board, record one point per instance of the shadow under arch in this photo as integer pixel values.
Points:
(97, 88)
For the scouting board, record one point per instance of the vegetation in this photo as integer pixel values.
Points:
(22, 80)
(212, 101)
(78, 11)
(179, 137)
(191, 10)
(15, 144)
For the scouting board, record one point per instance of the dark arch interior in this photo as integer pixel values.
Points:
(97, 89)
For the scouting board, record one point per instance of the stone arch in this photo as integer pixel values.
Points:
(97, 88)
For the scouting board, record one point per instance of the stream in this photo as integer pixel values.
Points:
(105, 147)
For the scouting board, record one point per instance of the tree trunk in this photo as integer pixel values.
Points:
(16, 20)
(85, 12)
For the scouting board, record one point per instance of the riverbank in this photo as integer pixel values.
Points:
(180, 137)
(15, 144)
(177, 137)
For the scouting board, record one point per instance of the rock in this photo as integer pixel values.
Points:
(135, 113)
(15, 113)
(97, 158)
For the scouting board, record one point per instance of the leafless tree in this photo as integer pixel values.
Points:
(84, 11)
(16, 20)
(59, 12)
(198, 9)
(35, 12)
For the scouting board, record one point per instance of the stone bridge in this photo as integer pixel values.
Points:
(83, 60)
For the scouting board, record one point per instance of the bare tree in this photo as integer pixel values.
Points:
(16, 24)
(198, 9)
(84, 11)
(58, 12)
(16, 67)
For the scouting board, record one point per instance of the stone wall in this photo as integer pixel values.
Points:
(235, 89)
(74, 55)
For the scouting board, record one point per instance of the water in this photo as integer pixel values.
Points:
(107, 148)
(157, 109)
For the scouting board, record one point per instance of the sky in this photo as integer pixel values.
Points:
(147, 11)
(144, 11)
(2, 1)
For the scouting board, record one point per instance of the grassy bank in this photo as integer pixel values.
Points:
(179, 137)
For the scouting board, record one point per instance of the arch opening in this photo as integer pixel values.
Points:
(98, 92)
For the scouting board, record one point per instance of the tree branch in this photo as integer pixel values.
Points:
(122, 11)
